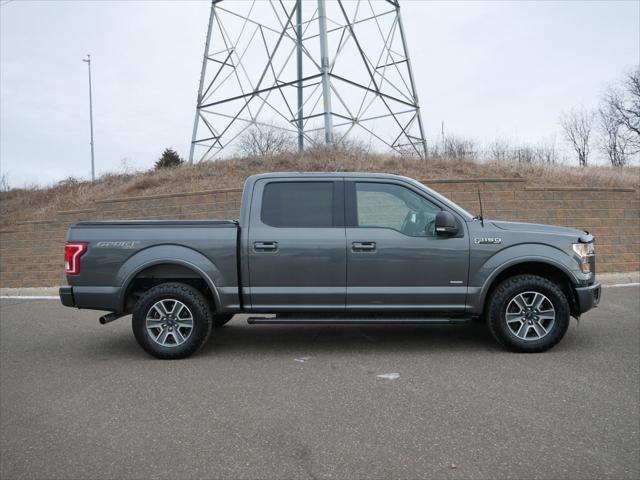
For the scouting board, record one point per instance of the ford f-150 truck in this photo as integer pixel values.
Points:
(332, 248)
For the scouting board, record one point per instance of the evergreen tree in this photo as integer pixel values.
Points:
(169, 159)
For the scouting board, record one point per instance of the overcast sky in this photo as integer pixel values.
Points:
(488, 69)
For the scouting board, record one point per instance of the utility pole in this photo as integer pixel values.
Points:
(93, 167)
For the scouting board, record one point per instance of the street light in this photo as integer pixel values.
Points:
(93, 171)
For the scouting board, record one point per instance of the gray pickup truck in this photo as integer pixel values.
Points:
(332, 248)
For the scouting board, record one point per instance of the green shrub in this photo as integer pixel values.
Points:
(169, 159)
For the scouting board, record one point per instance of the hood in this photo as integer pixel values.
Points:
(539, 228)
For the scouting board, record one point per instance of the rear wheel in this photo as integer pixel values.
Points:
(171, 320)
(528, 313)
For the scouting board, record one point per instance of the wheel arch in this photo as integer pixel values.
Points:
(542, 267)
(168, 263)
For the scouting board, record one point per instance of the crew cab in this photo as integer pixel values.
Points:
(332, 248)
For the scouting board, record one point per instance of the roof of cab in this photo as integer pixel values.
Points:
(254, 178)
(324, 174)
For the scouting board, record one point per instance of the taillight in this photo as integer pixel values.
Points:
(72, 253)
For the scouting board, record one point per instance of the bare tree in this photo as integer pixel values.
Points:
(545, 152)
(577, 125)
(525, 154)
(459, 148)
(622, 104)
(500, 151)
(614, 140)
(265, 140)
(503, 151)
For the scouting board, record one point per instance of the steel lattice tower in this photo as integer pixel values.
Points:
(324, 71)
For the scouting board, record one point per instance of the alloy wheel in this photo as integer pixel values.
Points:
(169, 322)
(530, 315)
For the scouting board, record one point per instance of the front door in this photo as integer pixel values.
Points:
(395, 260)
(297, 245)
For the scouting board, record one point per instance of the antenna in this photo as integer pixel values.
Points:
(323, 72)
(481, 216)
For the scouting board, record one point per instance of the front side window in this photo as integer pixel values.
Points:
(298, 204)
(387, 205)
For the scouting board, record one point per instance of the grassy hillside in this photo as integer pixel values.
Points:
(38, 203)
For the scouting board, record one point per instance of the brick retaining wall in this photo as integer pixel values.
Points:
(31, 251)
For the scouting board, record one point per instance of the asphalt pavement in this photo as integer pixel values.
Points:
(82, 401)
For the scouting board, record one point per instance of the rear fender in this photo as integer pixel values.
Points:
(169, 254)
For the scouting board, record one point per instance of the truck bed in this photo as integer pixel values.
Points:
(120, 250)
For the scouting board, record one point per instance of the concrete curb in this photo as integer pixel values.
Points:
(618, 278)
(29, 292)
(605, 278)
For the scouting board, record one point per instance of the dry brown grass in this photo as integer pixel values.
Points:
(39, 203)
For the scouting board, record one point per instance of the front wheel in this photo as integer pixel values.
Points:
(171, 320)
(528, 313)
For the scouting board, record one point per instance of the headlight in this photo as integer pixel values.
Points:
(584, 249)
(585, 252)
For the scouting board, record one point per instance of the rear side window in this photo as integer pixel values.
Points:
(298, 204)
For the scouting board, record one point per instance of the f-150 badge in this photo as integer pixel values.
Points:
(490, 240)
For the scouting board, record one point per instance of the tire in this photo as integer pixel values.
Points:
(171, 321)
(517, 324)
(221, 320)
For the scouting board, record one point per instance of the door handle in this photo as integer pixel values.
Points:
(265, 246)
(363, 246)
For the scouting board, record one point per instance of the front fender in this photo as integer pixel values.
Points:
(485, 273)
(169, 254)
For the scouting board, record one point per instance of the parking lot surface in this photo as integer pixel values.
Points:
(82, 401)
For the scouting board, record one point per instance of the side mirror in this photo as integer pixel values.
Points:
(446, 223)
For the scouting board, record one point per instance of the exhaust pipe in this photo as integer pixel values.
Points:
(110, 317)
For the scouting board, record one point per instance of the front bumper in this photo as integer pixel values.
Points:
(588, 297)
(66, 296)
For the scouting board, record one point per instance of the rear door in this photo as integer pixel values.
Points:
(395, 259)
(297, 245)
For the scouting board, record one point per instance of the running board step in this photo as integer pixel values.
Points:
(357, 320)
